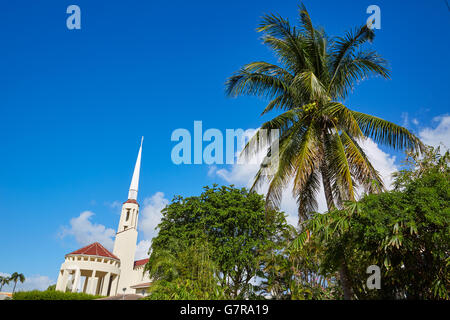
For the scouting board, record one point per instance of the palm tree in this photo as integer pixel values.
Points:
(319, 137)
(3, 281)
(17, 277)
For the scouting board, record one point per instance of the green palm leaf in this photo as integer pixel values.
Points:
(387, 133)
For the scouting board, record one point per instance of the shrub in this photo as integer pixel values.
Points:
(51, 288)
(52, 295)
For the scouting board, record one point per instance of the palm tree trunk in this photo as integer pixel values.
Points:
(14, 289)
(343, 270)
(345, 280)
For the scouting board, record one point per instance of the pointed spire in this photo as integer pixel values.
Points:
(132, 194)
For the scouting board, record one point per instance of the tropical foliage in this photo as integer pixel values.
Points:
(320, 137)
(15, 277)
(232, 243)
(210, 246)
(294, 273)
(185, 275)
(406, 232)
(229, 236)
(4, 281)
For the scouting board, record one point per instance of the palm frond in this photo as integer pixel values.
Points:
(275, 26)
(283, 101)
(288, 124)
(290, 53)
(387, 133)
(344, 117)
(346, 45)
(313, 39)
(356, 68)
(308, 158)
(307, 197)
(361, 168)
(339, 167)
(259, 84)
(309, 86)
(288, 148)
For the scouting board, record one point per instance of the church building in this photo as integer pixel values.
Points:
(95, 270)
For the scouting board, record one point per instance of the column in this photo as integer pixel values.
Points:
(59, 281)
(61, 284)
(114, 285)
(93, 283)
(86, 284)
(106, 284)
(76, 280)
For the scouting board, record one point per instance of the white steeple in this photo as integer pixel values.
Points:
(132, 193)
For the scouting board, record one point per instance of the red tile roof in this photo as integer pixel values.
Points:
(95, 249)
(131, 201)
(141, 285)
(138, 263)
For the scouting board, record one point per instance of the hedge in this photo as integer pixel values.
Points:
(52, 295)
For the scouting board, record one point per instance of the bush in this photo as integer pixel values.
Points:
(52, 295)
(51, 288)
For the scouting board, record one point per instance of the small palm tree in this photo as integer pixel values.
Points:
(319, 136)
(3, 281)
(17, 277)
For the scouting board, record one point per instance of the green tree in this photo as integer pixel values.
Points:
(290, 273)
(234, 226)
(187, 274)
(17, 277)
(3, 281)
(319, 136)
(406, 232)
(417, 164)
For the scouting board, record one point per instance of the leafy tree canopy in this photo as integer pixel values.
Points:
(229, 229)
(406, 232)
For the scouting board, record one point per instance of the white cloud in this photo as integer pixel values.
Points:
(405, 119)
(85, 232)
(381, 161)
(240, 174)
(142, 249)
(34, 282)
(114, 205)
(150, 215)
(212, 171)
(438, 136)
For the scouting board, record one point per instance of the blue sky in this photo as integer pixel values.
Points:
(74, 103)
